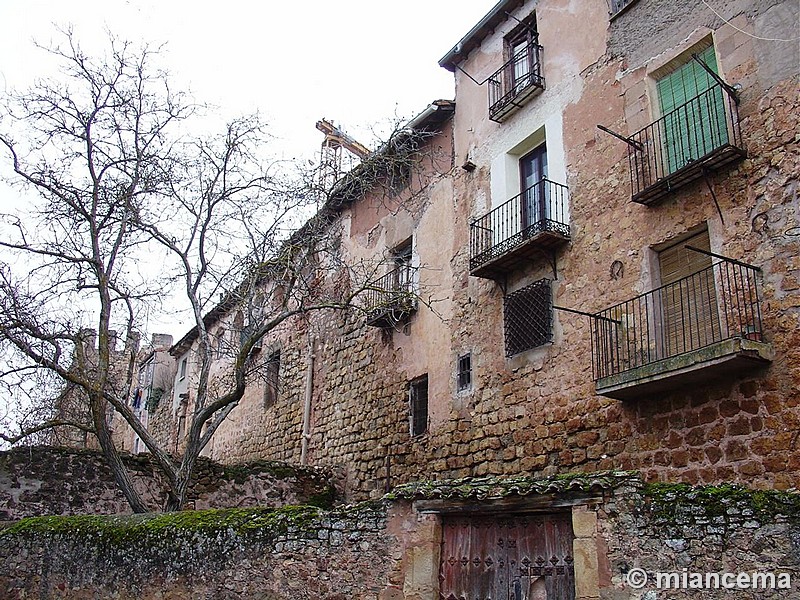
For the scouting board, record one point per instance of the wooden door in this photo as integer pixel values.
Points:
(516, 557)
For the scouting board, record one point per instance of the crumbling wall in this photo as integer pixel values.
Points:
(63, 481)
(295, 552)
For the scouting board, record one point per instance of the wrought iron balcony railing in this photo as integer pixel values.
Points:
(715, 304)
(391, 298)
(503, 237)
(699, 136)
(516, 81)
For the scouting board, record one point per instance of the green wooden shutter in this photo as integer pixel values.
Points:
(694, 122)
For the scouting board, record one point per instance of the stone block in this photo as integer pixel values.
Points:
(587, 584)
(584, 523)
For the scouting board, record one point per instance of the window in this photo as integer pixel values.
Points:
(535, 195)
(464, 373)
(272, 370)
(418, 396)
(694, 112)
(183, 369)
(689, 306)
(401, 259)
(238, 333)
(528, 317)
(520, 76)
(219, 343)
(519, 49)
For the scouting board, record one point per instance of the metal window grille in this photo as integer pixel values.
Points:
(418, 393)
(464, 374)
(528, 317)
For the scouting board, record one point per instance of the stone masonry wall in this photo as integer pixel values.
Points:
(388, 550)
(60, 481)
(294, 553)
(538, 412)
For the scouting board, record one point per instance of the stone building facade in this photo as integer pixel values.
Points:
(604, 245)
(593, 269)
(680, 363)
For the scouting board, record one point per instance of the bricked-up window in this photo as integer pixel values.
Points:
(528, 317)
(272, 371)
(418, 396)
(464, 372)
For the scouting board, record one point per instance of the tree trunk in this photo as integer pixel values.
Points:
(118, 468)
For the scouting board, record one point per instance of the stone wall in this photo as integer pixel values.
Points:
(61, 481)
(539, 410)
(297, 553)
(389, 549)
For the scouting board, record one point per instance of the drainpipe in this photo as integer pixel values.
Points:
(307, 404)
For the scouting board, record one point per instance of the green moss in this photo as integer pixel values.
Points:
(133, 528)
(323, 499)
(671, 499)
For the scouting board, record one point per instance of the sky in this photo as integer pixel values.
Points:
(359, 63)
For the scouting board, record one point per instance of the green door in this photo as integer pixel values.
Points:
(693, 112)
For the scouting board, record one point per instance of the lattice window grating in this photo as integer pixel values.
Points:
(528, 317)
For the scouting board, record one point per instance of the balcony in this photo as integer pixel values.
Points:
(515, 82)
(519, 229)
(699, 136)
(701, 327)
(391, 299)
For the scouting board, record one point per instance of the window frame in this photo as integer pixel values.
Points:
(464, 372)
(272, 378)
(183, 368)
(418, 405)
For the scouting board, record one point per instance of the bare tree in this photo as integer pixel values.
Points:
(129, 208)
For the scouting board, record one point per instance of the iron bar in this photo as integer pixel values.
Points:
(628, 141)
(540, 208)
(698, 136)
(722, 257)
(714, 304)
(715, 76)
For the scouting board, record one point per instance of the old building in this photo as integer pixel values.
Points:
(622, 296)
(603, 248)
(150, 379)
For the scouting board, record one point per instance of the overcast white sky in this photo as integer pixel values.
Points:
(359, 63)
(356, 62)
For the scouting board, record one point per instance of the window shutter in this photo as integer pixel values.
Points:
(694, 121)
(688, 296)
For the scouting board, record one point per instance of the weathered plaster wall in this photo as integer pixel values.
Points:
(59, 481)
(538, 411)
